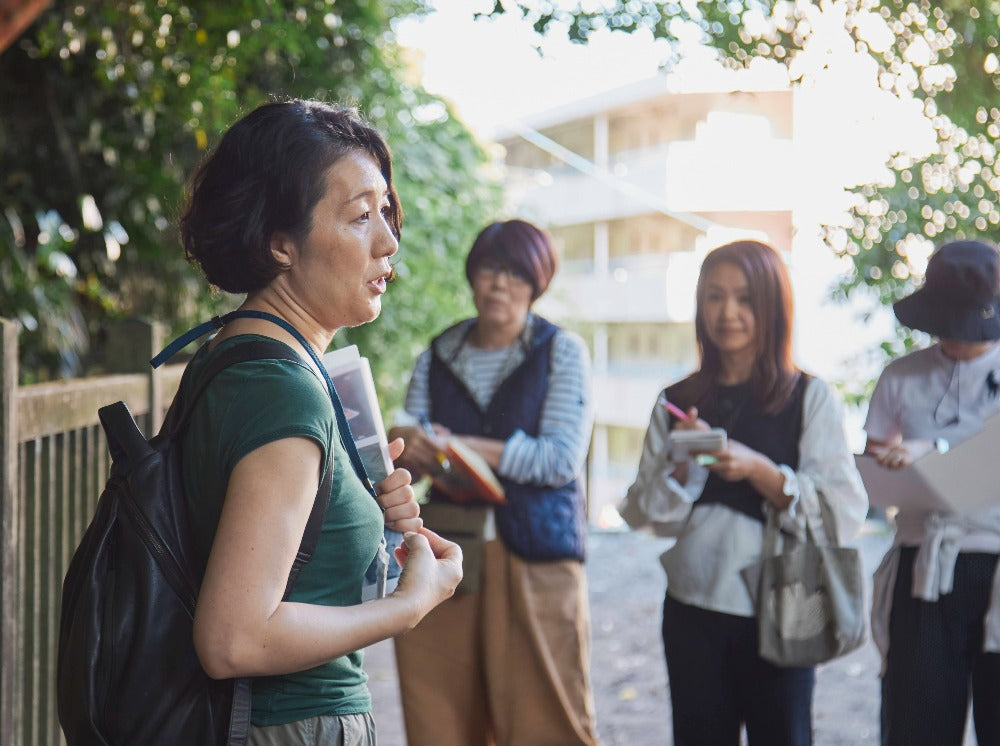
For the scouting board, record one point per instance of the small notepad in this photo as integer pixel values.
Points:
(685, 442)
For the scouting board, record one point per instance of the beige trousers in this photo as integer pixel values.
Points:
(508, 665)
(326, 730)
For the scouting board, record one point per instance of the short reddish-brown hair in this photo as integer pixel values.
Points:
(517, 244)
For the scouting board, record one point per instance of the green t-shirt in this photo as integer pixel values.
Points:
(244, 407)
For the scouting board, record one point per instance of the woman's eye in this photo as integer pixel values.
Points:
(365, 216)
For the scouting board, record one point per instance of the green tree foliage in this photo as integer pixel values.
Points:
(944, 54)
(109, 106)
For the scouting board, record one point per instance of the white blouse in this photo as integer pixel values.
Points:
(714, 542)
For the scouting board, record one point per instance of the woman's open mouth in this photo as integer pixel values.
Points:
(381, 282)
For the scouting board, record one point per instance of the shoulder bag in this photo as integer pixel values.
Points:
(809, 598)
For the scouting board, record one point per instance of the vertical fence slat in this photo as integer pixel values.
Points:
(48, 621)
(21, 656)
(10, 587)
(130, 345)
(33, 606)
(66, 545)
(77, 478)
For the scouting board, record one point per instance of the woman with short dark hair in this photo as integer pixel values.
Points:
(786, 451)
(505, 661)
(296, 208)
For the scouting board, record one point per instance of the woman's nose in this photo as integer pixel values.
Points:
(387, 244)
(501, 277)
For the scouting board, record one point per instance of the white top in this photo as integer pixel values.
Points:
(714, 542)
(926, 395)
(556, 455)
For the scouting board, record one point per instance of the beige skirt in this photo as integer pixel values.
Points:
(507, 665)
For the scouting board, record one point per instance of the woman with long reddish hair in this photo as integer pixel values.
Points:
(786, 451)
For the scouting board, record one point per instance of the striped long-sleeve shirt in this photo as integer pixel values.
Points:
(556, 454)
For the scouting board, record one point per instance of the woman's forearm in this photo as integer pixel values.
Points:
(491, 449)
(299, 636)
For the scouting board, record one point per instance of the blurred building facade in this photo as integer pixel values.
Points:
(635, 186)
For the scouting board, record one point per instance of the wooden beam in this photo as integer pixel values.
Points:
(61, 406)
(16, 16)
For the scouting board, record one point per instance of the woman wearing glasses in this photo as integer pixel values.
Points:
(506, 660)
(936, 598)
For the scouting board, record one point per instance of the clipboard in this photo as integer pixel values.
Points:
(963, 480)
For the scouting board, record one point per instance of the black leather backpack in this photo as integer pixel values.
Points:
(127, 669)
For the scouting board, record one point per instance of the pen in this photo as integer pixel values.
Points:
(673, 409)
(429, 429)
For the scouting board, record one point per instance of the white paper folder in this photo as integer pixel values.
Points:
(352, 379)
(963, 480)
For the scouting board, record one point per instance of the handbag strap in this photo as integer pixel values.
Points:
(828, 521)
(772, 529)
(217, 322)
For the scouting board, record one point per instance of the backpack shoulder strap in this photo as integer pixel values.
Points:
(241, 353)
(261, 350)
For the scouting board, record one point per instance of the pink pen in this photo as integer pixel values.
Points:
(674, 410)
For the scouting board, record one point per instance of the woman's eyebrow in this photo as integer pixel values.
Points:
(370, 192)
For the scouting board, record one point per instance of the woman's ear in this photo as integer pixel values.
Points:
(283, 249)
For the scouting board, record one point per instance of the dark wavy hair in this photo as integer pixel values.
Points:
(266, 175)
(774, 373)
(525, 248)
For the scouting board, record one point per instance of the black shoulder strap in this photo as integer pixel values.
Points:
(242, 353)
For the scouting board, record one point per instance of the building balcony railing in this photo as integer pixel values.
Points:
(651, 287)
(707, 175)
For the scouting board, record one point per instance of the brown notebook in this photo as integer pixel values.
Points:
(468, 477)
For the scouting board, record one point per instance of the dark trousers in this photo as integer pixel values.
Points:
(718, 683)
(935, 657)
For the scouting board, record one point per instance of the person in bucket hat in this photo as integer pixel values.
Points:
(960, 298)
(936, 596)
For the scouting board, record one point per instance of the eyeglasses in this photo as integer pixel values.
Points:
(491, 271)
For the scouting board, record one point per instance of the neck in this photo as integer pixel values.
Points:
(270, 301)
(735, 368)
(962, 351)
(489, 336)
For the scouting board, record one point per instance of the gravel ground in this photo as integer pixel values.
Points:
(628, 671)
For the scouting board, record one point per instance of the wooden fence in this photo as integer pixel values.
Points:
(53, 465)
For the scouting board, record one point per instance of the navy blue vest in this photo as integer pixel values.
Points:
(537, 523)
(775, 435)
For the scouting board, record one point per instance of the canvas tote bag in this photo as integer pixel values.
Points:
(809, 598)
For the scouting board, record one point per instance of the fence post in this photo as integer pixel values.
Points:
(10, 658)
(130, 345)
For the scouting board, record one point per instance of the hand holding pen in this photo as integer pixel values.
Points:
(688, 421)
(428, 428)
(676, 411)
(685, 420)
